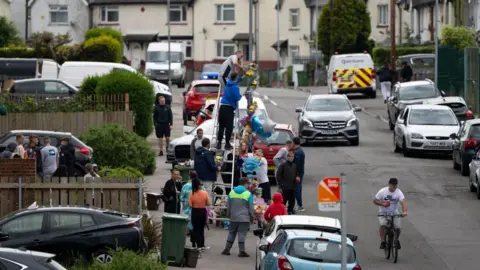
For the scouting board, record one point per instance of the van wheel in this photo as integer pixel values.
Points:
(185, 117)
(373, 94)
(181, 84)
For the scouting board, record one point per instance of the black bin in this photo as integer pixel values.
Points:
(191, 257)
(153, 201)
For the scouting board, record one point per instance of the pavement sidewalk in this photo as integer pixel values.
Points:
(215, 237)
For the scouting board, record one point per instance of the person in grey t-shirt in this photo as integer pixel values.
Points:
(230, 65)
(282, 155)
(49, 158)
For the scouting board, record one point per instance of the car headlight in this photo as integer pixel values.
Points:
(148, 72)
(416, 136)
(352, 122)
(308, 122)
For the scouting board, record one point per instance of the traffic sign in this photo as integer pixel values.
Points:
(328, 192)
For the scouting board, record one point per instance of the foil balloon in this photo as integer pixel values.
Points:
(268, 125)
(250, 164)
(244, 120)
(258, 128)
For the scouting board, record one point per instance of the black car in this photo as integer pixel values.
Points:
(27, 260)
(43, 87)
(465, 145)
(72, 231)
(427, 59)
(83, 152)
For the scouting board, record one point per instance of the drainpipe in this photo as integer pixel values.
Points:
(400, 18)
(257, 32)
(90, 16)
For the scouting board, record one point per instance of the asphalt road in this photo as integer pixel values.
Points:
(441, 230)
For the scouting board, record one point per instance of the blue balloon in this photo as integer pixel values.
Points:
(251, 165)
(257, 127)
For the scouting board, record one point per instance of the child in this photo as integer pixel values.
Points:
(277, 208)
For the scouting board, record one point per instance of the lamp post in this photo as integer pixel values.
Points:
(278, 43)
(436, 43)
(169, 52)
(316, 44)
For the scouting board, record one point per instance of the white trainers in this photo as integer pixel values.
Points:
(204, 248)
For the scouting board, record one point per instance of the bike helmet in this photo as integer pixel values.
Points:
(393, 181)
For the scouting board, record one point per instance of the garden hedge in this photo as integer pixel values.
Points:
(140, 92)
(381, 55)
(97, 32)
(102, 49)
(64, 53)
(89, 84)
(116, 147)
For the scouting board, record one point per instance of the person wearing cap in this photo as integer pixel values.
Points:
(406, 72)
(34, 151)
(67, 157)
(387, 200)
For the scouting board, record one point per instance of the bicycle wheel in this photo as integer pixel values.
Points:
(388, 245)
(395, 252)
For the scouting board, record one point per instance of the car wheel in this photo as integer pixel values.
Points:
(373, 94)
(103, 256)
(464, 170)
(405, 150)
(478, 189)
(185, 117)
(470, 184)
(356, 141)
(456, 166)
(396, 149)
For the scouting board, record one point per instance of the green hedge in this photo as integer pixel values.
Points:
(120, 172)
(141, 94)
(64, 53)
(381, 55)
(25, 104)
(89, 84)
(97, 32)
(102, 49)
(116, 147)
(123, 260)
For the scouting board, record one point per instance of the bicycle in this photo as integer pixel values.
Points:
(391, 248)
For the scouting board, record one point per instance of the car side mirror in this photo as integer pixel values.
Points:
(263, 248)
(443, 93)
(298, 110)
(184, 93)
(258, 232)
(352, 237)
(453, 136)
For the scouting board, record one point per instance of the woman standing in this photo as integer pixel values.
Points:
(198, 201)
(184, 195)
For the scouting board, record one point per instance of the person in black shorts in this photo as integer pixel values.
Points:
(163, 121)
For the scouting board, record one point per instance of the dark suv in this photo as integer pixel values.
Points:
(83, 152)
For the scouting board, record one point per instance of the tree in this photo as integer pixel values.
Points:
(8, 32)
(350, 27)
(49, 41)
(458, 37)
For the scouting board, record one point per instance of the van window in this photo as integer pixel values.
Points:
(353, 61)
(162, 56)
(30, 87)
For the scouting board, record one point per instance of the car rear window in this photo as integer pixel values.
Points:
(206, 88)
(457, 108)
(77, 141)
(319, 251)
(279, 137)
(475, 131)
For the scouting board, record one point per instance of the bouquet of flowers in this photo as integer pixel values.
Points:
(259, 206)
(219, 161)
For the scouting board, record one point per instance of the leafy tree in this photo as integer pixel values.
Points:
(49, 41)
(8, 32)
(458, 37)
(350, 27)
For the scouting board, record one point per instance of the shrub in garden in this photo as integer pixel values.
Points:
(152, 230)
(459, 37)
(140, 92)
(102, 49)
(88, 86)
(8, 32)
(120, 172)
(116, 147)
(124, 260)
(97, 32)
(69, 53)
(17, 52)
(381, 55)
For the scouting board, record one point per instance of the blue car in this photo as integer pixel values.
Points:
(307, 250)
(210, 72)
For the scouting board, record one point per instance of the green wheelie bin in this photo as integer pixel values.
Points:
(174, 230)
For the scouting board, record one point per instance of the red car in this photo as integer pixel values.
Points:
(272, 145)
(206, 111)
(195, 96)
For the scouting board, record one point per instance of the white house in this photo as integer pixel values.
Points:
(60, 17)
(5, 8)
(17, 11)
(423, 22)
(472, 14)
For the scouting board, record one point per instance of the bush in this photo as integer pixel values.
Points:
(141, 94)
(459, 37)
(69, 53)
(89, 84)
(8, 32)
(120, 172)
(97, 32)
(123, 260)
(102, 49)
(25, 104)
(381, 55)
(152, 230)
(64, 53)
(115, 147)
(17, 52)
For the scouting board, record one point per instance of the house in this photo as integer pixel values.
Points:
(380, 21)
(17, 11)
(423, 22)
(5, 8)
(471, 14)
(60, 17)
(144, 21)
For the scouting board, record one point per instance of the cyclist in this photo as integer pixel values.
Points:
(387, 199)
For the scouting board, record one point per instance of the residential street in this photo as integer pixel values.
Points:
(441, 230)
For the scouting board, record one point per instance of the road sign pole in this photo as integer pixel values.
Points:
(343, 212)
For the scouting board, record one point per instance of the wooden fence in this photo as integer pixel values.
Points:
(118, 194)
(76, 122)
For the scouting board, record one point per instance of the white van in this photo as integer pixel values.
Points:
(351, 73)
(157, 63)
(75, 72)
(23, 68)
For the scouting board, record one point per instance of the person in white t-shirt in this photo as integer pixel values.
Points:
(262, 177)
(387, 200)
(231, 65)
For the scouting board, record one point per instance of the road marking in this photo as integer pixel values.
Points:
(265, 98)
(273, 102)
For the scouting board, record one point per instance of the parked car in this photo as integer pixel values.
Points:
(72, 231)
(307, 249)
(465, 145)
(474, 175)
(26, 68)
(273, 144)
(457, 104)
(206, 112)
(43, 87)
(426, 129)
(210, 71)
(328, 118)
(424, 59)
(83, 152)
(22, 259)
(197, 93)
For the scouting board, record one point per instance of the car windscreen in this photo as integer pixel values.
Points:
(423, 91)
(261, 114)
(279, 137)
(429, 117)
(206, 88)
(319, 250)
(212, 68)
(162, 56)
(328, 105)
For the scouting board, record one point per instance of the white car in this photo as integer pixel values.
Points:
(425, 128)
(316, 223)
(474, 176)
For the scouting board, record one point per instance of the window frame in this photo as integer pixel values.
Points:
(222, 8)
(58, 86)
(222, 44)
(52, 215)
(296, 49)
(294, 12)
(381, 9)
(182, 9)
(106, 9)
(58, 9)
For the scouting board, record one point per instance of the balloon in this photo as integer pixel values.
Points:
(258, 129)
(250, 165)
(244, 120)
(3, 110)
(268, 125)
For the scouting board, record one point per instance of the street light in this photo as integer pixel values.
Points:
(169, 53)
(316, 44)
(278, 43)
(436, 43)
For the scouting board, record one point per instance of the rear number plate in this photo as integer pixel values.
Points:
(437, 143)
(327, 131)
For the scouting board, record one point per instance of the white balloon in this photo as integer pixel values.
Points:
(268, 125)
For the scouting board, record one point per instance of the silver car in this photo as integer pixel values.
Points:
(328, 118)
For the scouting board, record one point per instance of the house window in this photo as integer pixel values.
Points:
(420, 20)
(226, 13)
(109, 14)
(225, 48)
(178, 13)
(58, 14)
(295, 50)
(294, 18)
(382, 15)
(188, 49)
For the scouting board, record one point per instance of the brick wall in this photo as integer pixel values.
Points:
(17, 167)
